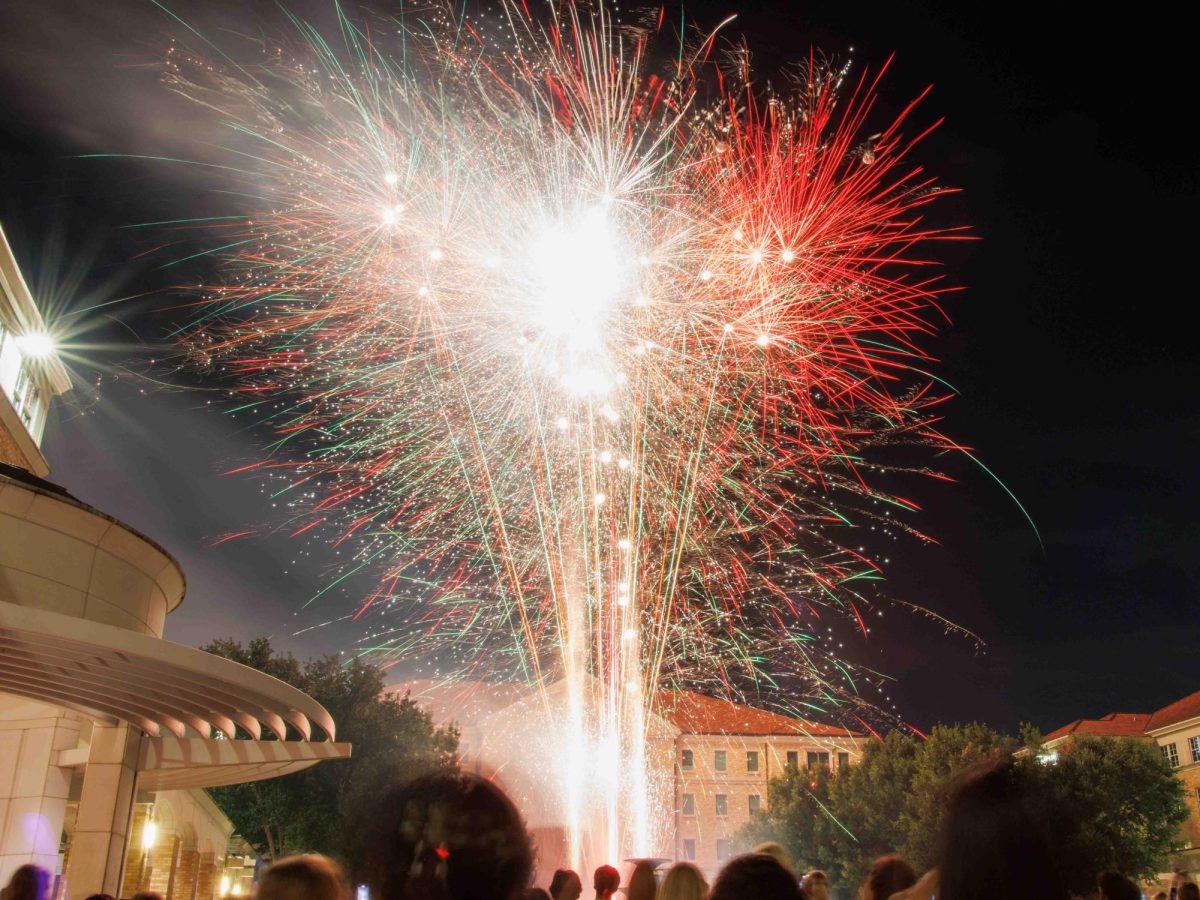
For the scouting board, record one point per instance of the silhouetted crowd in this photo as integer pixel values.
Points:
(455, 836)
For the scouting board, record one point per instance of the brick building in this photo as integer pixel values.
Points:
(709, 760)
(1176, 730)
(725, 755)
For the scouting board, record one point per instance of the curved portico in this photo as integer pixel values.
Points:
(93, 700)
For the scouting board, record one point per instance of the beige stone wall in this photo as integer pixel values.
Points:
(64, 557)
(105, 810)
(1188, 773)
(714, 822)
(33, 789)
(1190, 831)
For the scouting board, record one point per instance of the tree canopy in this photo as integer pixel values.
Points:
(1114, 803)
(323, 808)
(1111, 803)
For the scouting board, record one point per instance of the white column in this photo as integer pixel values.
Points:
(101, 833)
(33, 788)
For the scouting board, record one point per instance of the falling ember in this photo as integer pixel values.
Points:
(582, 354)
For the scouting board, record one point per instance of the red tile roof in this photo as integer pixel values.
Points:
(1179, 711)
(466, 702)
(1114, 725)
(697, 714)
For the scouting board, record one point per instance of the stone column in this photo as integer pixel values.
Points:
(207, 876)
(184, 887)
(33, 788)
(105, 812)
(163, 859)
(131, 880)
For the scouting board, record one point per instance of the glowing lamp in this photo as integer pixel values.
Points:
(224, 891)
(35, 345)
(149, 835)
(237, 890)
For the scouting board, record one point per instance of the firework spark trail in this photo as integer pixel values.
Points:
(583, 365)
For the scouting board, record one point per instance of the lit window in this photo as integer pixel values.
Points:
(689, 849)
(1194, 746)
(689, 804)
(751, 760)
(722, 849)
(793, 759)
(843, 761)
(719, 760)
(818, 759)
(754, 802)
(722, 804)
(1170, 754)
(687, 760)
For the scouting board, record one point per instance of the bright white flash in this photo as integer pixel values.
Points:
(579, 273)
(35, 344)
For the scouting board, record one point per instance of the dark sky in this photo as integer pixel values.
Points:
(1070, 345)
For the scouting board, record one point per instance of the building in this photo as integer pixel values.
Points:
(726, 755)
(108, 733)
(30, 374)
(709, 760)
(1176, 730)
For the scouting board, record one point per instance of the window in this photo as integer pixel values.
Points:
(722, 849)
(689, 849)
(751, 760)
(1198, 796)
(1170, 754)
(1194, 746)
(818, 759)
(722, 804)
(689, 804)
(754, 802)
(793, 759)
(843, 761)
(719, 760)
(687, 760)
(25, 395)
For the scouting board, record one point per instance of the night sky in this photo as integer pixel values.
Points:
(1070, 344)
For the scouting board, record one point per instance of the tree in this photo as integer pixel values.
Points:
(796, 817)
(948, 750)
(1106, 803)
(324, 808)
(871, 800)
(1111, 803)
(889, 803)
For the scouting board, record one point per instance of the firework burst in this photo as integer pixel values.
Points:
(579, 347)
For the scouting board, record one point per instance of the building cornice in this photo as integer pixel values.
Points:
(1181, 725)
